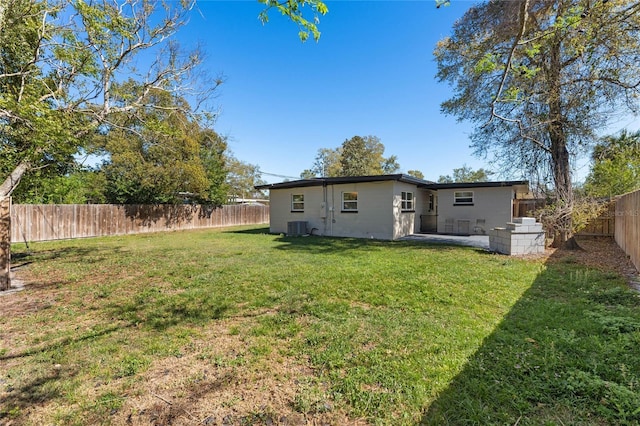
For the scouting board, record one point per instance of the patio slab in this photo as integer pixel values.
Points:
(479, 241)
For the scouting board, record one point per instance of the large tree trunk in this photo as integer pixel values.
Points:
(6, 189)
(13, 179)
(5, 243)
(559, 153)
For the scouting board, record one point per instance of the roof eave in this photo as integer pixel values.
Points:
(343, 180)
(460, 185)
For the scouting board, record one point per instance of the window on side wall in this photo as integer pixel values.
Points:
(350, 202)
(408, 202)
(463, 198)
(297, 202)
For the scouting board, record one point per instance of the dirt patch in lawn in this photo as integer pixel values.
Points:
(600, 253)
(218, 383)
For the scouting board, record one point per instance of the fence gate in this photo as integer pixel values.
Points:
(5, 243)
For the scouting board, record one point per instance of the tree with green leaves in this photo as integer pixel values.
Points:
(539, 78)
(615, 168)
(363, 156)
(416, 173)
(78, 186)
(327, 163)
(160, 156)
(242, 179)
(68, 69)
(297, 12)
(213, 155)
(466, 174)
(358, 156)
(307, 174)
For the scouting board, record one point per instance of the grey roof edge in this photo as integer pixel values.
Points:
(456, 185)
(344, 179)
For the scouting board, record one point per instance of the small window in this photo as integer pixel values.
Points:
(463, 197)
(432, 202)
(407, 201)
(349, 201)
(297, 202)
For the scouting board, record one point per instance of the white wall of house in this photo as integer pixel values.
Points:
(407, 220)
(379, 212)
(281, 211)
(374, 218)
(493, 205)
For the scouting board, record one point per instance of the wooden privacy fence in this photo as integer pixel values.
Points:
(44, 222)
(526, 207)
(627, 233)
(603, 225)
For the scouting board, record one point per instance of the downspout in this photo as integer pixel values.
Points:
(332, 209)
(326, 206)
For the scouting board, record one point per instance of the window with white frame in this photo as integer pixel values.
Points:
(463, 198)
(297, 202)
(407, 201)
(349, 201)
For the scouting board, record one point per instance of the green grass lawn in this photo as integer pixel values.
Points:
(237, 326)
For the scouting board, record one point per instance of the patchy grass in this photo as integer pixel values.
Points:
(241, 327)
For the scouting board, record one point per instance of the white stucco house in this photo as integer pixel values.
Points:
(389, 206)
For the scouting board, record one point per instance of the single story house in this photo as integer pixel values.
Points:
(389, 206)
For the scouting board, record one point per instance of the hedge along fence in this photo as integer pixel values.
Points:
(36, 222)
(627, 232)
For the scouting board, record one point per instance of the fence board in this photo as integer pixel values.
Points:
(604, 225)
(627, 225)
(526, 207)
(53, 222)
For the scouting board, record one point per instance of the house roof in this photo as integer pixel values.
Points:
(458, 185)
(420, 183)
(344, 179)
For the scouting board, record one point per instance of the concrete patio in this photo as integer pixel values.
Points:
(479, 241)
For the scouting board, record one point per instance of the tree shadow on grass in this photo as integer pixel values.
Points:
(566, 353)
(161, 313)
(47, 381)
(35, 391)
(251, 231)
(64, 342)
(332, 245)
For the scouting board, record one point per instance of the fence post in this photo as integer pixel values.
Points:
(5, 243)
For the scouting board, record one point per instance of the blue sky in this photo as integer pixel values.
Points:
(371, 73)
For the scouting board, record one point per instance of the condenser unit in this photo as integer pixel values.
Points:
(297, 228)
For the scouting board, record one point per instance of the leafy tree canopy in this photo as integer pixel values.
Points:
(416, 173)
(242, 179)
(62, 65)
(358, 156)
(61, 73)
(160, 156)
(298, 12)
(466, 174)
(615, 166)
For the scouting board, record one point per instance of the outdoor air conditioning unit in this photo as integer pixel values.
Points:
(297, 228)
